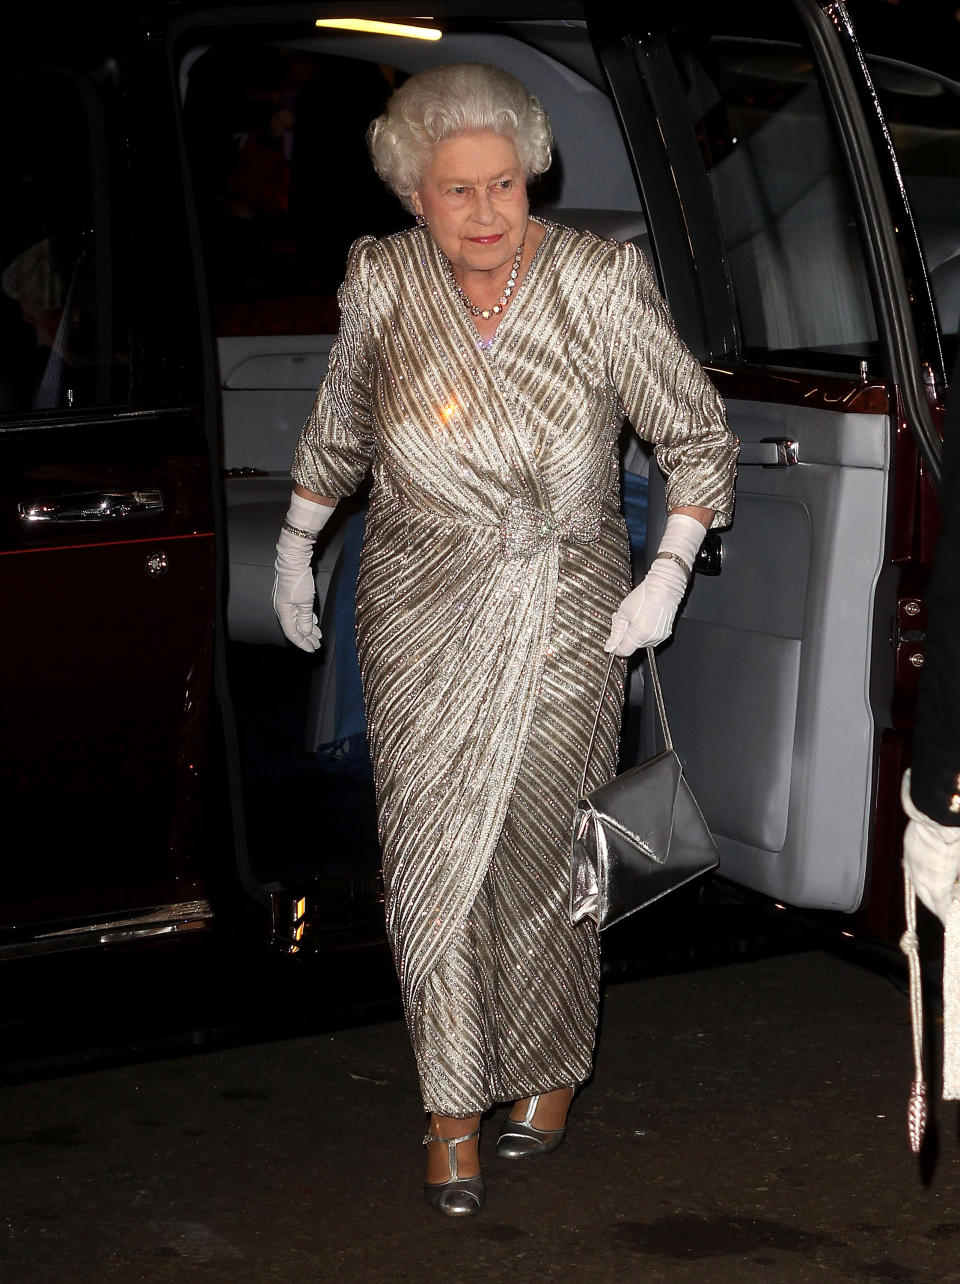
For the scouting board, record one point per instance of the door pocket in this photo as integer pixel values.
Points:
(744, 708)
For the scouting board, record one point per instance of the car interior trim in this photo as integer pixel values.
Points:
(880, 245)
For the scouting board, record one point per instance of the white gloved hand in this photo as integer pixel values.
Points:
(294, 589)
(645, 617)
(931, 855)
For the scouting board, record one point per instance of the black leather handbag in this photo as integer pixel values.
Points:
(639, 836)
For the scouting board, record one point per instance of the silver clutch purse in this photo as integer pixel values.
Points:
(639, 836)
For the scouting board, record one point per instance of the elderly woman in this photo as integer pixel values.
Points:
(484, 364)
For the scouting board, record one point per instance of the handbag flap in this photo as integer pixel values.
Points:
(640, 804)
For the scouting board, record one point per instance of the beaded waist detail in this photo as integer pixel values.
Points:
(526, 530)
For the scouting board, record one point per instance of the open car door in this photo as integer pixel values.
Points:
(794, 269)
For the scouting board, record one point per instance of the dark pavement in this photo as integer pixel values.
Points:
(745, 1122)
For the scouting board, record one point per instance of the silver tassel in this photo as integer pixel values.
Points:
(917, 1108)
(917, 1115)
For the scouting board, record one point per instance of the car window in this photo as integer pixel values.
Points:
(282, 178)
(783, 202)
(923, 114)
(61, 342)
(283, 183)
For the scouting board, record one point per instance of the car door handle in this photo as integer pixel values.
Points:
(771, 452)
(92, 506)
(709, 561)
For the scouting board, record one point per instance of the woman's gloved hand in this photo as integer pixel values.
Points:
(294, 589)
(645, 617)
(931, 855)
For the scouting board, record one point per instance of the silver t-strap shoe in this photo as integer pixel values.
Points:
(457, 1196)
(519, 1137)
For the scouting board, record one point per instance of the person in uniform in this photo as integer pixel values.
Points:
(931, 785)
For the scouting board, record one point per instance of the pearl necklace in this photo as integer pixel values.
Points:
(487, 313)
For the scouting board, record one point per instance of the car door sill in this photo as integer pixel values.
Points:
(160, 920)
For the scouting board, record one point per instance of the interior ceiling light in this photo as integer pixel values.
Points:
(381, 28)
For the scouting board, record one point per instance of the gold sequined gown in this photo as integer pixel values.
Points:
(495, 553)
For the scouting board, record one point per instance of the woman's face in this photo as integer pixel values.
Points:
(474, 199)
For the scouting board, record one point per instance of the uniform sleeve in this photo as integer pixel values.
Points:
(336, 445)
(666, 395)
(935, 773)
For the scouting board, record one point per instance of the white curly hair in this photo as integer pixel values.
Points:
(455, 99)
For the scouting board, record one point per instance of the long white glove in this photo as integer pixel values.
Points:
(294, 589)
(931, 855)
(645, 617)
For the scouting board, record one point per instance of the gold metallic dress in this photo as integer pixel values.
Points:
(495, 553)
